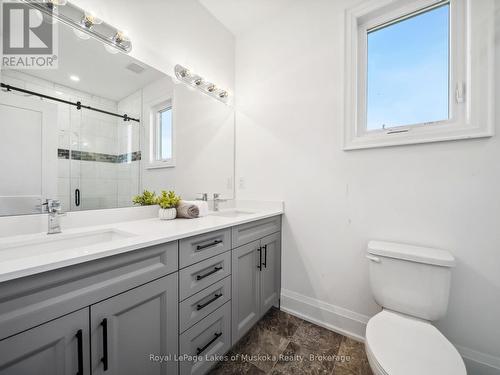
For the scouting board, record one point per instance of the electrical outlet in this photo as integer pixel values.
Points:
(242, 183)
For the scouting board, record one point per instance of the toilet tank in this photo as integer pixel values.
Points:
(412, 280)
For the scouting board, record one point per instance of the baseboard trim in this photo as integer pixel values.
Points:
(353, 325)
(334, 318)
(478, 363)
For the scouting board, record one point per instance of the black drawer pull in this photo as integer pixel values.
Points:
(201, 350)
(260, 258)
(199, 277)
(79, 338)
(203, 305)
(265, 256)
(104, 358)
(206, 246)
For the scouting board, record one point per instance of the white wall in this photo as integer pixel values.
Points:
(289, 86)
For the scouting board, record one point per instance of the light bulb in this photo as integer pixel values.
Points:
(89, 20)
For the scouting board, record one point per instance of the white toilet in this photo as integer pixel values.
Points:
(412, 285)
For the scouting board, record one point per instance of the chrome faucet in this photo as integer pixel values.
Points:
(204, 197)
(217, 200)
(54, 210)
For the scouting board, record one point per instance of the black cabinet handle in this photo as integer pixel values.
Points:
(260, 258)
(203, 305)
(201, 350)
(206, 246)
(104, 358)
(199, 277)
(79, 340)
(265, 256)
(77, 197)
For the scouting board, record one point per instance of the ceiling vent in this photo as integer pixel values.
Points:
(136, 68)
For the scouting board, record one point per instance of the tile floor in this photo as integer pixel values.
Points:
(283, 344)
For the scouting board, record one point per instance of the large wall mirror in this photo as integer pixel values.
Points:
(176, 138)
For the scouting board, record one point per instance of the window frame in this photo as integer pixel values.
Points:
(158, 133)
(154, 135)
(464, 120)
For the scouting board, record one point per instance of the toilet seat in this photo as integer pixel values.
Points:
(398, 344)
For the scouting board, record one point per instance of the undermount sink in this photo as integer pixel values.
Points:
(45, 243)
(232, 213)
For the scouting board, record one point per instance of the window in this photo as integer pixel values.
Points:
(164, 134)
(161, 135)
(410, 75)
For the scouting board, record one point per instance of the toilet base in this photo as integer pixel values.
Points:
(374, 365)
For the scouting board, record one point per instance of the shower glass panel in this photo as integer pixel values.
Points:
(104, 158)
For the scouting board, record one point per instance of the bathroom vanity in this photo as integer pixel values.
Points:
(149, 302)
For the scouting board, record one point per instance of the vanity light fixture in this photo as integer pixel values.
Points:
(183, 74)
(74, 78)
(57, 2)
(84, 23)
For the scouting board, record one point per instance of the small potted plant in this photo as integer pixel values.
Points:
(147, 198)
(167, 202)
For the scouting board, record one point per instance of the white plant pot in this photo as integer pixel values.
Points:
(167, 213)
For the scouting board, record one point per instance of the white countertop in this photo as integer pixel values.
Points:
(144, 233)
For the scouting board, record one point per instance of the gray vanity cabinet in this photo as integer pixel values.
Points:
(270, 274)
(245, 289)
(256, 277)
(130, 327)
(60, 346)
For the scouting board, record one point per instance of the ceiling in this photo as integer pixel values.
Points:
(101, 73)
(240, 15)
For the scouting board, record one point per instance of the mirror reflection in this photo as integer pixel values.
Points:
(143, 130)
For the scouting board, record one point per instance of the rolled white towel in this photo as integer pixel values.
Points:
(187, 210)
(202, 207)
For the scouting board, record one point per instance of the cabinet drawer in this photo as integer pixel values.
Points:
(206, 339)
(33, 300)
(200, 275)
(246, 233)
(195, 249)
(198, 306)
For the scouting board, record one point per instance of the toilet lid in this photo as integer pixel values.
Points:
(403, 345)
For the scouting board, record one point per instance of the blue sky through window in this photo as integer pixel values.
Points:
(408, 71)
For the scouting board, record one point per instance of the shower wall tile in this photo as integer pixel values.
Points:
(63, 186)
(88, 170)
(63, 166)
